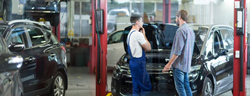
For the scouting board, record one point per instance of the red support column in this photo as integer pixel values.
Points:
(166, 11)
(237, 64)
(93, 59)
(57, 34)
(101, 89)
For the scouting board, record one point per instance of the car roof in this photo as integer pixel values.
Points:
(24, 22)
(195, 27)
(114, 32)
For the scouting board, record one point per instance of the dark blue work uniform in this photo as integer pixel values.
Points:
(140, 77)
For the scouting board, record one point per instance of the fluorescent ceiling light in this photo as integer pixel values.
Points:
(204, 2)
(122, 1)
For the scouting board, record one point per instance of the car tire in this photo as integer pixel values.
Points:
(54, 20)
(57, 85)
(207, 89)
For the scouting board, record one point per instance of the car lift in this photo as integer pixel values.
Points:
(56, 31)
(240, 48)
(98, 60)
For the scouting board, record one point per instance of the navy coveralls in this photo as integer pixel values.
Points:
(140, 78)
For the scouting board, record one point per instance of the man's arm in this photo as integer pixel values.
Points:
(171, 61)
(178, 47)
(147, 45)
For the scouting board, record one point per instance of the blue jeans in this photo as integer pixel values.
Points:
(181, 82)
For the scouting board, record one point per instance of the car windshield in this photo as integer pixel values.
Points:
(200, 35)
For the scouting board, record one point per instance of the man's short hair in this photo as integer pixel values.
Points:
(134, 18)
(183, 14)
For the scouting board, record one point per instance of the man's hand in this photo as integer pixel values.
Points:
(166, 68)
(143, 31)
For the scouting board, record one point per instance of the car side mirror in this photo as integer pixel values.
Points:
(16, 46)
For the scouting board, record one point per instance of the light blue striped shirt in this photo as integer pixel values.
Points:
(183, 46)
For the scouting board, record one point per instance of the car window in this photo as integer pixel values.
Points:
(217, 43)
(227, 36)
(115, 38)
(200, 36)
(36, 35)
(16, 36)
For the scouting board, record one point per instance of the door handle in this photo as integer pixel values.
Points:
(52, 54)
(30, 59)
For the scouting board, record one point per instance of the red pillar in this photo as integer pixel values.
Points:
(93, 58)
(58, 31)
(101, 88)
(166, 11)
(237, 70)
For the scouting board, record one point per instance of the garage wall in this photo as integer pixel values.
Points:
(223, 12)
(199, 13)
(212, 12)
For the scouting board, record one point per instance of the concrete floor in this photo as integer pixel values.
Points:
(82, 83)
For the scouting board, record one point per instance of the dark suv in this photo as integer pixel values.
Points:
(48, 9)
(44, 69)
(212, 63)
(10, 82)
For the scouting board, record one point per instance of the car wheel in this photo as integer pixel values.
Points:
(54, 20)
(58, 85)
(207, 88)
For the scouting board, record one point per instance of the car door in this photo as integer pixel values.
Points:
(115, 48)
(5, 79)
(39, 63)
(17, 34)
(221, 65)
(226, 60)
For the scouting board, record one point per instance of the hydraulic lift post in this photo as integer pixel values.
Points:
(240, 48)
(98, 62)
(166, 11)
(56, 31)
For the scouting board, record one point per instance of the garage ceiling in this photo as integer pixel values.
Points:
(157, 1)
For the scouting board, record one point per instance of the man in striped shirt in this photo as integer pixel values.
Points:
(181, 54)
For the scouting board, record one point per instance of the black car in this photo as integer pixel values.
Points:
(48, 9)
(44, 69)
(6, 10)
(212, 63)
(10, 82)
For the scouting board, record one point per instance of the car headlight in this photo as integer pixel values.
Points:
(116, 72)
(194, 73)
(117, 67)
(195, 68)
